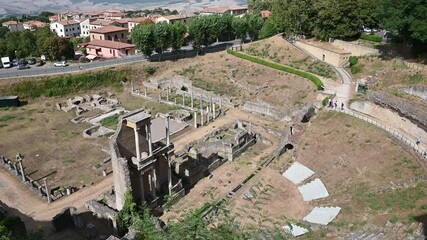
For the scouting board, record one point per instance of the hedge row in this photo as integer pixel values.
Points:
(371, 37)
(309, 76)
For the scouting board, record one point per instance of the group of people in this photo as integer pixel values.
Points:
(334, 105)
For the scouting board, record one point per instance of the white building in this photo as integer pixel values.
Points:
(68, 28)
(171, 19)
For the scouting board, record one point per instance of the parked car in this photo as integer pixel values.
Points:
(32, 61)
(60, 64)
(15, 62)
(23, 66)
(41, 63)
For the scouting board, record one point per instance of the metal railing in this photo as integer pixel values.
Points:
(392, 131)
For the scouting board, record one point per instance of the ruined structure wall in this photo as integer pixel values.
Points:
(126, 142)
(356, 49)
(334, 58)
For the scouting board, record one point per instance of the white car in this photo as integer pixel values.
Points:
(60, 64)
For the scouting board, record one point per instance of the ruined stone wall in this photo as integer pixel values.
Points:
(417, 90)
(356, 49)
(121, 174)
(416, 112)
(334, 58)
(263, 108)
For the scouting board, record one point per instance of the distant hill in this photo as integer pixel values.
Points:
(14, 8)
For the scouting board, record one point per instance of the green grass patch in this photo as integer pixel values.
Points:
(394, 219)
(371, 37)
(355, 69)
(68, 84)
(3, 125)
(110, 122)
(6, 118)
(416, 78)
(309, 76)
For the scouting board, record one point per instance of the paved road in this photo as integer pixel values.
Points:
(49, 69)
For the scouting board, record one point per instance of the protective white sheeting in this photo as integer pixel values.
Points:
(294, 230)
(322, 215)
(313, 190)
(297, 173)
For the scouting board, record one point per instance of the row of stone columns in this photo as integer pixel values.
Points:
(191, 100)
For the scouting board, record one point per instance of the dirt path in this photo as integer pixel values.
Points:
(15, 194)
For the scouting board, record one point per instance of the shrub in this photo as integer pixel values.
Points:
(356, 69)
(309, 76)
(149, 70)
(372, 38)
(353, 60)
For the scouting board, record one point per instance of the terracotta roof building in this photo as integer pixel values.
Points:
(109, 49)
(111, 33)
(233, 10)
(13, 26)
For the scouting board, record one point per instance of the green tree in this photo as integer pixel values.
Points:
(143, 38)
(204, 31)
(162, 35)
(337, 19)
(254, 25)
(125, 217)
(13, 39)
(225, 27)
(46, 14)
(196, 33)
(269, 29)
(178, 31)
(293, 17)
(145, 227)
(406, 17)
(240, 27)
(42, 34)
(258, 5)
(56, 48)
(3, 32)
(26, 44)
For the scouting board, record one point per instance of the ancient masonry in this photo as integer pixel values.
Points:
(141, 166)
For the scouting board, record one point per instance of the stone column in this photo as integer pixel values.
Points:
(150, 147)
(183, 99)
(151, 182)
(220, 103)
(167, 131)
(131, 86)
(145, 92)
(201, 117)
(47, 190)
(156, 180)
(160, 97)
(167, 95)
(138, 150)
(169, 174)
(141, 183)
(15, 167)
(201, 102)
(207, 114)
(175, 100)
(22, 170)
(195, 119)
(192, 101)
(214, 113)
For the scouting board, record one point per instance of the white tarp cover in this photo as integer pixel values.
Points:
(295, 231)
(322, 215)
(313, 190)
(297, 173)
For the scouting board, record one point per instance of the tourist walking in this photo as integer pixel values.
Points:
(418, 141)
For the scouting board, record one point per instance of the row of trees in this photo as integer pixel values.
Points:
(343, 19)
(202, 31)
(35, 43)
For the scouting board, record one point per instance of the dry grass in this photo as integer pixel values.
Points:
(388, 73)
(51, 144)
(355, 159)
(278, 50)
(254, 82)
